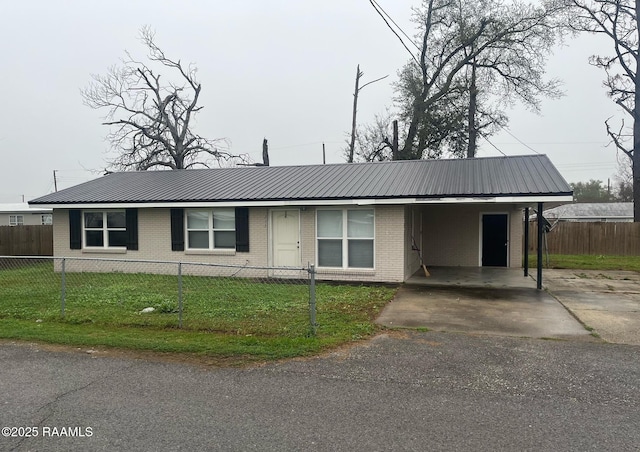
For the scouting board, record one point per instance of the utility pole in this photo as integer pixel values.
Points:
(324, 156)
(55, 181)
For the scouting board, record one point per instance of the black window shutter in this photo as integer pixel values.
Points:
(242, 229)
(131, 216)
(177, 229)
(75, 229)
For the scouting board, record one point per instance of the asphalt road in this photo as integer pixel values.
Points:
(408, 391)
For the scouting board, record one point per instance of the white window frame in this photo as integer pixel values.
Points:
(46, 219)
(345, 237)
(210, 229)
(105, 230)
(16, 220)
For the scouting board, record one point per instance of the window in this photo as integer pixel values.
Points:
(105, 229)
(16, 220)
(46, 219)
(211, 229)
(345, 238)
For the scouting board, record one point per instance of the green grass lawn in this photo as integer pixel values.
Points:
(233, 319)
(588, 262)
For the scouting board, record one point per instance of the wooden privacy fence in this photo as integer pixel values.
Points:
(598, 238)
(26, 240)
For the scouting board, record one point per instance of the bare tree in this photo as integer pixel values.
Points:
(354, 113)
(618, 20)
(624, 179)
(458, 40)
(151, 120)
(371, 142)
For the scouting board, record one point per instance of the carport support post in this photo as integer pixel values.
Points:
(526, 241)
(540, 225)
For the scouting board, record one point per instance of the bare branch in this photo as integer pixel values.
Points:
(151, 120)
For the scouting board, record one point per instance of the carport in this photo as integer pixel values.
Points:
(475, 212)
(484, 233)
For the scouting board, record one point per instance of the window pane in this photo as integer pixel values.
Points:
(199, 239)
(47, 218)
(116, 220)
(330, 253)
(198, 220)
(360, 223)
(93, 220)
(224, 219)
(94, 238)
(361, 253)
(117, 238)
(224, 239)
(329, 223)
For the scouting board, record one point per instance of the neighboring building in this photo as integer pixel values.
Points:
(22, 214)
(352, 221)
(591, 211)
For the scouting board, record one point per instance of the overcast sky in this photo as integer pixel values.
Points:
(279, 69)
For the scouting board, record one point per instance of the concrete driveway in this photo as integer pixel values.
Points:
(519, 311)
(578, 304)
(606, 301)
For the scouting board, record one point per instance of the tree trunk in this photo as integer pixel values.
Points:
(412, 132)
(265, 152)
(473, 94)
(394, 143)
(636, 130)
(352, 144)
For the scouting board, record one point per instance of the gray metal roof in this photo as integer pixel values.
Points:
(529, 175)
(585, 210)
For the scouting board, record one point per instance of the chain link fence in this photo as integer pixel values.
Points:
(195, 296)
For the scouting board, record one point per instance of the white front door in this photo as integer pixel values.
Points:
(286, 238)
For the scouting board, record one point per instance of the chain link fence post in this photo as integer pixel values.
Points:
(312, 299)
(179, 294)
(63, 288)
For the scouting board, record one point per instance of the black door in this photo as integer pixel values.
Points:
(494, 240)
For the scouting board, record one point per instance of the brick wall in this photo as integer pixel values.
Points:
(389, 247)
(450, 237)
(451, 234)
(154, 243)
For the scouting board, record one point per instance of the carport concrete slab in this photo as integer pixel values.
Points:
(489, 277)
(507, 312)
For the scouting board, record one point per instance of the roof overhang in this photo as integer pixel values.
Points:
(520, 200)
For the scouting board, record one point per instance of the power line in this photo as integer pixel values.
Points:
(488, 141)
(519, 140)
(379, 11)
(394, 23)
(304, 144)
(561, 142)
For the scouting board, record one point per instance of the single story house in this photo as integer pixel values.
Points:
(591, 211)
(358, 221)
(19, 214)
